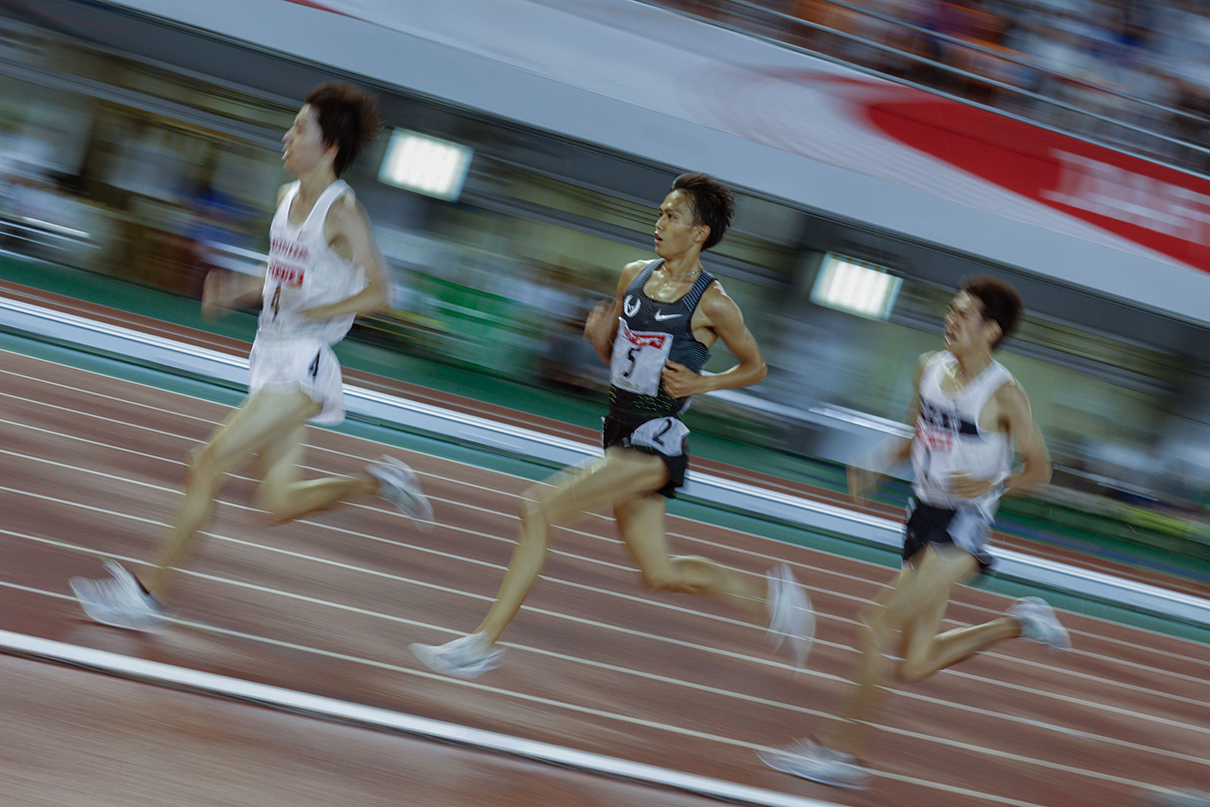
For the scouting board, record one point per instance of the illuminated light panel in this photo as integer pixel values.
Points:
(855, 287)
(424, 164)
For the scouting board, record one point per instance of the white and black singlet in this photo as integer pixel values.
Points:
(950, 441)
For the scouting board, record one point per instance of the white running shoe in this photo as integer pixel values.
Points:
(790, 613)
(1039, 623)
(399, 486)
(121, 602)
(465, 657)
(812, 761)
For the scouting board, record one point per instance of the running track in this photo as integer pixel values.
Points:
(90, 467)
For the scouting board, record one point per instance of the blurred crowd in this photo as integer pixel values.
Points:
(1132, 73)
(158, 202)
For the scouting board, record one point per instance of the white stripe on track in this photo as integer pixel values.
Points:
(1089, 736)
(663, 727)
(772, 558)
(606, 592)
(162, 674)
(767, 557)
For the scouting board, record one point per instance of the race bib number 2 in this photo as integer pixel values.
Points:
(638, 359)
(665, 435)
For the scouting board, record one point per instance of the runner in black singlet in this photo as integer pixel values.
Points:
(656, 336)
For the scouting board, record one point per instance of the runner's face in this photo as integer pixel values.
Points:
(676, 230)
(303, 144)
(966, 331)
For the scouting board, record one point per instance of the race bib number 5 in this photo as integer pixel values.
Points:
(638, 359)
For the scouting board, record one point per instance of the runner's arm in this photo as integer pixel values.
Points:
(865, 472)
(727, 322)
(601, 327)
(1036, 468)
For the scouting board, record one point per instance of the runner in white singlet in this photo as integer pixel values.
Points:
(969, 413)
(324, 269)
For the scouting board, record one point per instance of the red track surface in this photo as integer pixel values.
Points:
(90, 466)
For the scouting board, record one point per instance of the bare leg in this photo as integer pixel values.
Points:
(262, 419)
(641, 522)
(618, 476)
(285, 498)
(914, 607)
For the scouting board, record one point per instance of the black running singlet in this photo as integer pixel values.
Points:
(649, 333)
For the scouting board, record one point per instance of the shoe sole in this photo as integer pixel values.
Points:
(778, 761)
(427, 655)
(403, 479)
(98, 612)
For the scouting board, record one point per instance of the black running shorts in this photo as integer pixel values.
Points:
(965, 528)
(615, 432)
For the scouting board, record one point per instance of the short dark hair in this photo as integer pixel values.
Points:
(1000, 302)
(713, 203)
(348, 117)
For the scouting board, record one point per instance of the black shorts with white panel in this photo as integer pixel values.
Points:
(667, 438)
(966, 528)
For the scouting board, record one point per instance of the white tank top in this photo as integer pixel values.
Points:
(949, 440)
(304, 273)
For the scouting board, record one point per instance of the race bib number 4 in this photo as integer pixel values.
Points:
(282, 297)
(638, 359)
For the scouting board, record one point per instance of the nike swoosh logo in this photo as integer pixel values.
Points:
(660, 316)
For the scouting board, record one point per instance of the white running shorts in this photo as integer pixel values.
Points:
(304, 364)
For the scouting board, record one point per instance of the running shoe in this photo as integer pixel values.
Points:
(464, 657)
(397, 483)
(121, 602)
(790, 614)
(1039, 623)
(819, 764)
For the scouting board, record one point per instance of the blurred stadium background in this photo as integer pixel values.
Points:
(139, 150)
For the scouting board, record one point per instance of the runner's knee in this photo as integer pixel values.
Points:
(660, 581)
(531, 510)
(913, 670)
(205, 468)
(272, 505)
(875, 630)
(667, 578)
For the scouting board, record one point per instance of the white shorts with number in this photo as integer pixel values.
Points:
(282, 365)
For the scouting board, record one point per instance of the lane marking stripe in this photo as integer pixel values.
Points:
(383, 719)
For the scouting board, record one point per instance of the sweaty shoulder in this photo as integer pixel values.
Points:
(629, 272)
(282, 191)
(715, 299)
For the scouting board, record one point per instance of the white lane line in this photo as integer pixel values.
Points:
(745, 496)
(645, 601)
(648, 723)
(1119, 642)
(209, 683)
(720, 546)
(605, 592)
(1089, 736)
(118, 399)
